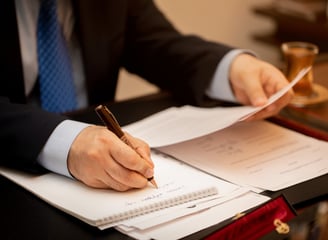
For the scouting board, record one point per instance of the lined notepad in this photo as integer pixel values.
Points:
(178, 183)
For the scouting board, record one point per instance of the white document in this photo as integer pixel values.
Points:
(179, 124)
(216, 140)
(259, 153)
(157, 218)
(190, 224)
(187, 200)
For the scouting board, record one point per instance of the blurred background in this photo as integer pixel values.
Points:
(259, 25)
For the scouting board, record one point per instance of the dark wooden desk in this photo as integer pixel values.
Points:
(25, 216)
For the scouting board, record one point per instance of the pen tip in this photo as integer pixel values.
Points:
(152, 181)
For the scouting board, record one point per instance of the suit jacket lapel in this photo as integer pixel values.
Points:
(100, 27)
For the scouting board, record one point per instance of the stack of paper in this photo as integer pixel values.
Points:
(243, 159)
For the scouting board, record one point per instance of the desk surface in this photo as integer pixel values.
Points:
(25, 215)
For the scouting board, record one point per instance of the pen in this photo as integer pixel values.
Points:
(112, 125)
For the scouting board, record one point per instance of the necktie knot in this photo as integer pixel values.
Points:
(57, 92)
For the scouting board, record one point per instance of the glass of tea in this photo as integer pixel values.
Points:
(300, 55)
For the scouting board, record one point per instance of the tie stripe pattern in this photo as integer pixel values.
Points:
(57, 92)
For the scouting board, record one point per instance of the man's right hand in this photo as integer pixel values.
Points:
(100, 159)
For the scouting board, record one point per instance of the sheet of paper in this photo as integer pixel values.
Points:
(157, 218)
(213, 139)
(260, 154)
(190, 224)
(179, 124)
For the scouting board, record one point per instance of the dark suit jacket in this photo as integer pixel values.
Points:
(127, 33)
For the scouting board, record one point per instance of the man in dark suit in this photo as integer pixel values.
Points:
(112, 34)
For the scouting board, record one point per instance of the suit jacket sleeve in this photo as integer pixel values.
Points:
(150, 47)
(159, 53)
(23, 132)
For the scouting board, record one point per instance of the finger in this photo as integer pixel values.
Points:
(131, 160)
(106, 172)
(125, 181)
(246, 80)
(124, 176)
(272, 109)
(255, 93)
(106, 182)
(109, 182)
(141, 148)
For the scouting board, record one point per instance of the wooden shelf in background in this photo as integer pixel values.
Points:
(293, 28)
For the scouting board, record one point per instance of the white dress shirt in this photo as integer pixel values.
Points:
(55, 152)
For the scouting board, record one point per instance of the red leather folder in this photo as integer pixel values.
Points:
(272, 215)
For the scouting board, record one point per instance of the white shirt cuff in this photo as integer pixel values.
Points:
(220, 87)
(55, 152)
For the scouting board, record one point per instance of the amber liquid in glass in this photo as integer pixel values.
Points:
(298, 58)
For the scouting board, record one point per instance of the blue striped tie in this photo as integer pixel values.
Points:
(57, 92)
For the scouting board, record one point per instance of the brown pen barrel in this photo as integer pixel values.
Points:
(109, 120)
(112, 125)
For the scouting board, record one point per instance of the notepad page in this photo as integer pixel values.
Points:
(177, 183)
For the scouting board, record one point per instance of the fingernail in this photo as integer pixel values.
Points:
(149, 173)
